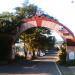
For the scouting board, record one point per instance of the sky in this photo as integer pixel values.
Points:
(63, 10)
(9, 5)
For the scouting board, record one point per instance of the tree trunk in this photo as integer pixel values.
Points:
(34, 56)
(25, 49)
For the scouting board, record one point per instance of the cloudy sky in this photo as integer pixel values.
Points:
(63, 10)
(9, 5)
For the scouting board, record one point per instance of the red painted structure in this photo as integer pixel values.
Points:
(42, 21)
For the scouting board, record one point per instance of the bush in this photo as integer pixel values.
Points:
(70, 63)
(62, 55)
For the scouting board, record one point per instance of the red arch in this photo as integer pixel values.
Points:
(39, 20)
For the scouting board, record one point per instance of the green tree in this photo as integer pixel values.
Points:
(7, 23)
(26, 11)
(34, 40)
(63, 54)
(10, 21)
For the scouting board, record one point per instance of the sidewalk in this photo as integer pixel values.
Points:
(72, 69)
(67, 70)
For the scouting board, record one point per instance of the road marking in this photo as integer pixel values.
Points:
(30, 67)
(58, 69)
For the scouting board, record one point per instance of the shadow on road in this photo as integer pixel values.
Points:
(22, 67)
(29, 67)
(45, 67)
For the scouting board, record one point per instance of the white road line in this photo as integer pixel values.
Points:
(58, 69)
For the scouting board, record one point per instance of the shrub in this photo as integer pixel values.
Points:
(62, 55)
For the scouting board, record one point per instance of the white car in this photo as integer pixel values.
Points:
(42, 53)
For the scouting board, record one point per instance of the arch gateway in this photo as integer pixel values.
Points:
(42, 21)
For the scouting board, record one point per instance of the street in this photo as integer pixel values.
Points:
(41, 66)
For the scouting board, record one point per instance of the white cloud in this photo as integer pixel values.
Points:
(9, 5)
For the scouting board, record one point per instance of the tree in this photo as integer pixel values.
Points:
(7, 23)
(34, 39)
(63, 54)
(25, 11)
(10, 21)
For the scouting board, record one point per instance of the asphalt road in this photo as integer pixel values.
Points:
(42, 66)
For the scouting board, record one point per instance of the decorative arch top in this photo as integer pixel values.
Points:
(42, 21)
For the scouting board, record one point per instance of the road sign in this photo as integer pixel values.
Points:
(71, 55)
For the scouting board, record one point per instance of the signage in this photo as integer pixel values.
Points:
(71, 56)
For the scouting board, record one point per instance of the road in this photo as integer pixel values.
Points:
(41, 66)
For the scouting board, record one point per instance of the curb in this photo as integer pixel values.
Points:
(58, 69)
